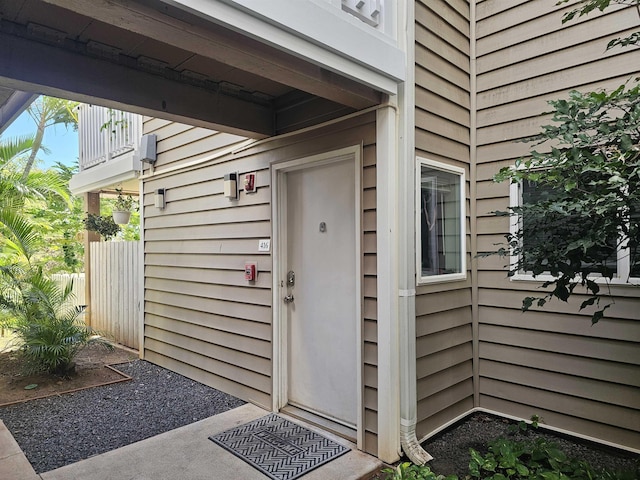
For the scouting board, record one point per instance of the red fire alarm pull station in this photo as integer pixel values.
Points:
(250, 272)
(250, 183)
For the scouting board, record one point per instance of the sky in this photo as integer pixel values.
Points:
(61, 141)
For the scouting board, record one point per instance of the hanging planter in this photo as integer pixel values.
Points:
(122, 208)
(121, 217)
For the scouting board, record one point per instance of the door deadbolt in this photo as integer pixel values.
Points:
(291, 278)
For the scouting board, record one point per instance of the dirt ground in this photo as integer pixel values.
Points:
(90, 372)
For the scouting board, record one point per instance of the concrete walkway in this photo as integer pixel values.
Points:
(184, 453)
(13, 464)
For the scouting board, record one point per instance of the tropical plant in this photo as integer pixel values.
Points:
(42, 197)
(14, 187)
(46, 112)
(48, 330)
(61, 223)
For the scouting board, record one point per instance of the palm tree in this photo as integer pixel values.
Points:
(46, 112)
(15, 188)
(49, 330)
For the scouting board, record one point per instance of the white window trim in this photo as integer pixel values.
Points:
(447, 277)
(623, 267)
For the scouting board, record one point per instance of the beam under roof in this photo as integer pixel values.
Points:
(231, 48)
(69, 72)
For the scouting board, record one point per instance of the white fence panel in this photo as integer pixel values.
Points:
(114, 291)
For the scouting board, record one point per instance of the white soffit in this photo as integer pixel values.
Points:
(348, 47)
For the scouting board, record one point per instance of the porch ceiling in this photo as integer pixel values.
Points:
(150, 58)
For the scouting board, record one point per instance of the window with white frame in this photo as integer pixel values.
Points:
(440, 223)
(622, 261)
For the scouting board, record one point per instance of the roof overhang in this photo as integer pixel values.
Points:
(168, 61)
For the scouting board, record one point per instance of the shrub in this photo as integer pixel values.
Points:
(49, 333)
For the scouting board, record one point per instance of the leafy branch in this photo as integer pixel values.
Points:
(587, 6)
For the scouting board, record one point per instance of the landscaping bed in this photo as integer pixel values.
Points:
(450, 448)
(90, 371)
(59, 430)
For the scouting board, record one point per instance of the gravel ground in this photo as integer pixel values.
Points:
(450, 448)
(57, 431)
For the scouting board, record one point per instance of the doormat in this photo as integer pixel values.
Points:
(280, 449)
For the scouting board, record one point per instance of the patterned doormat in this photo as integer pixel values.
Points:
(278, 448)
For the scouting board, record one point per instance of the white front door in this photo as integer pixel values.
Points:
(320, 289)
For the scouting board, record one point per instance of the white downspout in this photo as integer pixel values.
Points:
(407, 248)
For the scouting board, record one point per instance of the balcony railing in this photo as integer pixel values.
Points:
(105, 134)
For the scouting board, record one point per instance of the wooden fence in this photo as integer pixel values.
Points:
(115, 302)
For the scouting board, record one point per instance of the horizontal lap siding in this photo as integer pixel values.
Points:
(549, 362)
(443, 311)
(202, 319)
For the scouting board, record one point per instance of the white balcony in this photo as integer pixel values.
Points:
(108, 143)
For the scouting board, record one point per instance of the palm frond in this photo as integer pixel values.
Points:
(14, 147)
(22, 235)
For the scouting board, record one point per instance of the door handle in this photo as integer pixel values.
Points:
(288, 298)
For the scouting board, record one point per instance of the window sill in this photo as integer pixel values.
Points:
(447, 277)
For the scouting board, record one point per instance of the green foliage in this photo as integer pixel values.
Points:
(523, 426)
(116, 120)
(102, 224)
(124, 203)
(592, 206)
(49, 332)
(589, 208)
(45, 112)
(534, 458)
(14, 148)
(18, 234)
(39, 219)
(537, 459)
(410, 471)
(587, 6)
(60, 248)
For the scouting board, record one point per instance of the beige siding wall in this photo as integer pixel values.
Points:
(442, 115)
(201, 317)
(553, 362)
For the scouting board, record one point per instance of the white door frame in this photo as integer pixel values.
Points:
(279, 226)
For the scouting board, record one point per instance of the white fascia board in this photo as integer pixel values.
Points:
(313, 33)
(114, 171)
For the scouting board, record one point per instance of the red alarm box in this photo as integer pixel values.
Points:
(250, 272)
(250, 183)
